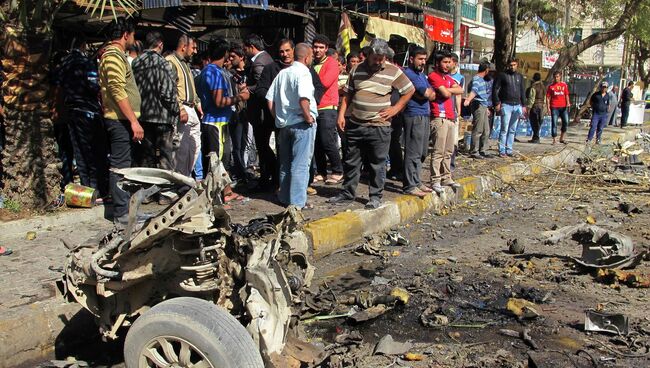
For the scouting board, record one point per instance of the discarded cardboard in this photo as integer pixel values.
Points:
(388, 346)
(522, 308)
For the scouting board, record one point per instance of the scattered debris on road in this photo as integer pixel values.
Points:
(615, 323)
(388, 346)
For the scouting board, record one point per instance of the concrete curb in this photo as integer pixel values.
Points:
(31, 336)
(345, 228)
(22, 226)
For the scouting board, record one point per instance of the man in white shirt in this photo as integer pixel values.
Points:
(291, 100)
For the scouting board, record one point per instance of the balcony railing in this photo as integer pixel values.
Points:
(446, 6)
(468, 11)
(486, 17)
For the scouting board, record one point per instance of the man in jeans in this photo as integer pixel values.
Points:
(291, 100)
(600, 106)
(121, 100)
(160, 109)
(509, 100)
(416, 124)
(327, 147)
(368, 132)
(443, 125)
(480, 99)
(558, 102)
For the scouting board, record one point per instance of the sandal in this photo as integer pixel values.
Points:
(334, 180)
(233, 197)
(4, 251)
(318, 178)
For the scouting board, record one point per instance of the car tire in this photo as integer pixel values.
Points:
(189, 332)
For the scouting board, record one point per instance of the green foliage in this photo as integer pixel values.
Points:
(12, 205)
(39, 14)
(640, 27)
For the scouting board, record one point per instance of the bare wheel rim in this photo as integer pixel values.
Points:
(172, 352)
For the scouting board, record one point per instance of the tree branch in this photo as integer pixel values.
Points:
(569, 55)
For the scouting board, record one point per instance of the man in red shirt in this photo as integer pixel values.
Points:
(557, 100)
(327, 147)
(443, 125)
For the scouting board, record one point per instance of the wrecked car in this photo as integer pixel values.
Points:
(194, 289)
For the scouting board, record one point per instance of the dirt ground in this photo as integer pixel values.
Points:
(458, 265)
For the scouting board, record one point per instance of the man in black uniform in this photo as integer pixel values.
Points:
(77, 89)
(626, 99)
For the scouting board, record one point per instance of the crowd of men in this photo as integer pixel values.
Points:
(334, 118)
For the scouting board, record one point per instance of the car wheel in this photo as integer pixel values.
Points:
(189, 333)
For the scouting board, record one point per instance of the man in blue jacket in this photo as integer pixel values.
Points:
(600, 112)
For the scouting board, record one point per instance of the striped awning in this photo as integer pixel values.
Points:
(157, 4)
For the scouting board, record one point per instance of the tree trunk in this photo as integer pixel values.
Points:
(503, 37)
(569, 54)
(642, 56)
(31, 175)
(587, 104)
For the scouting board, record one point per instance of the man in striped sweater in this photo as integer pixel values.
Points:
(368, 132)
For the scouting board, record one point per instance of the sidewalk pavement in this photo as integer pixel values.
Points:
(33, 314)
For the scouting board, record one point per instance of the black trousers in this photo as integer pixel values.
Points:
(214, 138)
(395, 150)
(263, 125)
(536, 116)
(327, 143)
(625, 112)
(65, 152)
(156, 149)
(371, 143)
(119, 136)
(238, 128)
(416, 146)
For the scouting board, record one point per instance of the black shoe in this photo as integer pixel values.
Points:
(394, 176)
(264, 187)
(517, 140)
(476, 156)
(373, 204)
(486, 155)
(340, 199)
(533, 140)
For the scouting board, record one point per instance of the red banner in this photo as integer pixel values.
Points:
(442, 30)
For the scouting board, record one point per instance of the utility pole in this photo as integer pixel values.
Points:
(457, 20)
(567, 29)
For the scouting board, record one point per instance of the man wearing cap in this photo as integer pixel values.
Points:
(600, 112)
(368, 129)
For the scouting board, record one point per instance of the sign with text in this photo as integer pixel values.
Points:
(442, 30)
(549, 58)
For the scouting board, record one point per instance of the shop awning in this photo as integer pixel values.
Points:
(382, 28)
(442, 30)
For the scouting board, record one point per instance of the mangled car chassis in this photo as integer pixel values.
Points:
(193, 287)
